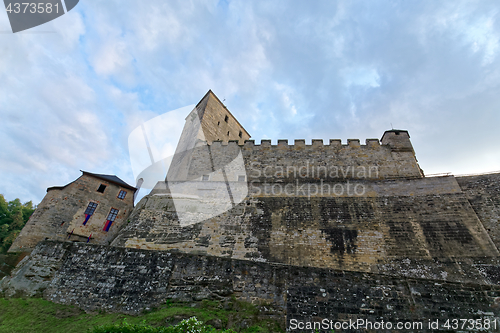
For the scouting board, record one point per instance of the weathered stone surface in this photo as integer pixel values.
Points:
(483, 193)
(8, 262)
(428, 221)
(129, 280)
(35, 272)
(61, 213)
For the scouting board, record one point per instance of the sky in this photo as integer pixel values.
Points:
(73, 90)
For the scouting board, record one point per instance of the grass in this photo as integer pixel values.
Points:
(191, 325)
(38, 315)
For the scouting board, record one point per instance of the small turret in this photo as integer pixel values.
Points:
(398, 140)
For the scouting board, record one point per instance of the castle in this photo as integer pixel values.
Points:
(337, 231)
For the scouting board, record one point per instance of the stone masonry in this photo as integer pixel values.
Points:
(331, 231)
(96, 277)
(61, 214)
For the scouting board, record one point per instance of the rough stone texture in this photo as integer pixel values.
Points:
(61, 213)
(299, 162)
(283, 162)
(316, 294)
(320, 231)
(429, 221)
(97, 277)
(483, 192)
(8, 262)
(35, 272)
(215, 127)
(127, 280)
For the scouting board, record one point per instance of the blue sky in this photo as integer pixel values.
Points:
(73, 89)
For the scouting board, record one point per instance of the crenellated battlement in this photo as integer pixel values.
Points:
(218, 140)
(392, 158)
(315, 143)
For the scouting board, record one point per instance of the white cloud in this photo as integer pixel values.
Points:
(69, 99)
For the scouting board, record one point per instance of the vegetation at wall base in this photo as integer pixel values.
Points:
(191, 325)
(37, 315)
(13, 217)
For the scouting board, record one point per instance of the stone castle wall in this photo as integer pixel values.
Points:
(428, 220)
(483, 192)
(95, 277)
(284, 162)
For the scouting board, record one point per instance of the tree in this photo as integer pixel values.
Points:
(27, 209)
(4, 231)
(17, 221)
(7, 242)
(13, 217)
(15, 205)
(4, 211)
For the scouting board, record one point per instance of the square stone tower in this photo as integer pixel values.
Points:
(209, 121)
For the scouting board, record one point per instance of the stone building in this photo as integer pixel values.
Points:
(326, 230)
(91, 208)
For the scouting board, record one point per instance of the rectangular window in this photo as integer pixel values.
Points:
(112, 214)
(241, 134)
(226, 119)
(122, 194)
(205, 178)
(101, 188)
(111, 218)
(241, 178)
(89, 211)
(91, 208)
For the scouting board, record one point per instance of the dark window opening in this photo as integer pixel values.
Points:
(228, 133)
(122, 194)
(397, 133)
(218, 123)
(241, 134)
(111, 218)
(90, 208)
(205, 178)
(101, 188)
(89, 211)
(226, 119)
(112, 214)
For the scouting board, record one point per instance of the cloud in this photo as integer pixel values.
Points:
(341, 69)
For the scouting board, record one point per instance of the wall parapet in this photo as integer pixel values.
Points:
(392, 160)
(315, 143)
